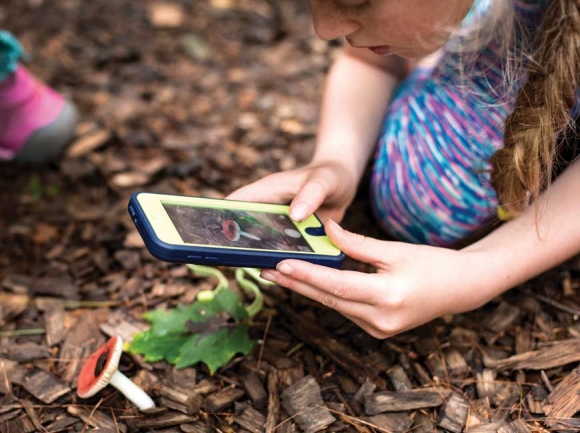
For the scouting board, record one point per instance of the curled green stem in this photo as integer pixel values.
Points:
(255, 274)
(250, 287)
(246, 284)
(208, 271)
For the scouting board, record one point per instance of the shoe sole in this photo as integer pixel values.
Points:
(47, 145)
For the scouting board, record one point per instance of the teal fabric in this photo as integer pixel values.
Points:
(10, 53)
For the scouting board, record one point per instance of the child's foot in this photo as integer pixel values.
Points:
(36, 123)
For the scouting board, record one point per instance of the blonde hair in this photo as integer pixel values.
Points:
(524, 167)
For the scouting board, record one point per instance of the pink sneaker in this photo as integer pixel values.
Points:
(36, 123)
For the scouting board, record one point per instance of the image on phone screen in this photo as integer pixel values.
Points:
(236, 228)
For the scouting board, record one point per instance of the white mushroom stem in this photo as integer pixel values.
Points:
(248, 235)
(133, 393)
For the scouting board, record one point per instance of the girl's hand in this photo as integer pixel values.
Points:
(326, 188)
(413, 284)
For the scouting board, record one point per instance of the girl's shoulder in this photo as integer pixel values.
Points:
(487, 13)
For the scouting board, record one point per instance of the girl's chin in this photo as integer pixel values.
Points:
(401, 52)
(411, 54)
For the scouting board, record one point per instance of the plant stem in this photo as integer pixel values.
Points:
(18, 332)
(208, 271)
(246, 284)
(90, 304)
(250, 287)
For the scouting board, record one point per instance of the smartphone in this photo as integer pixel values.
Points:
(217, 232)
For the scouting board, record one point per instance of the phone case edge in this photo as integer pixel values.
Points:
(217, 256)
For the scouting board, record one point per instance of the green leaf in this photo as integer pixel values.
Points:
(52, 191)
(35, 187)
(216, 349)
(231, 303)
(157, 349)
(37, 190)
(174, 321)
(200, 332)
(170, 321)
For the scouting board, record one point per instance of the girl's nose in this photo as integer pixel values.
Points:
(330, 23)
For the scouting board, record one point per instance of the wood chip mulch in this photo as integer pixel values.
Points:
(199, 98)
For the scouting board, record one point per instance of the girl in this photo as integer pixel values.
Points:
(474, 125)
(36, 123)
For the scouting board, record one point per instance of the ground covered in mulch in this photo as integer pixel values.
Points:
(199, 98)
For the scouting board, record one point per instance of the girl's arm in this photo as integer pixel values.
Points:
(358, 89)
(417, 283)
(545, 235)
(357, 94)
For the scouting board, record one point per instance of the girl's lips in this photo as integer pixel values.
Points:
(381, 51)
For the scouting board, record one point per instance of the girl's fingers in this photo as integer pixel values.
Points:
(311, 196)
(357, 312)
(346, 307)
(329, 283)
(362, 248)
(366, 327)
(270, 189)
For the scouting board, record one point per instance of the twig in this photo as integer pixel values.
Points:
(294, 349)
(264, 341)
(354, 420)
(7, 386)
(33, 418)
(71, 305)
(115, 421)
(546, 381)
(287, 419)
(553, 303)
(91, 415)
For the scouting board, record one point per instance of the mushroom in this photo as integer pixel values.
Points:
(101, 369)
(232, 230)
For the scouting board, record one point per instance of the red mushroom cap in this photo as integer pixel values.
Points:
(99, 368)
(231, 230)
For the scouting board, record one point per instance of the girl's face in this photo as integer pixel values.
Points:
(409, 28)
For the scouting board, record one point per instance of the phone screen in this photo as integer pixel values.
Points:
(236, 228)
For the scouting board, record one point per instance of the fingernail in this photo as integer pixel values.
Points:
(298, 212)
(268, 276)
(284, 268)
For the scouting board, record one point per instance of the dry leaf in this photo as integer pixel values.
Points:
(133, 240)
(222, 4)
(88, 143)
(291, 126)
(152, 166)
(168, 15)
(44, 233)
(130, 179)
